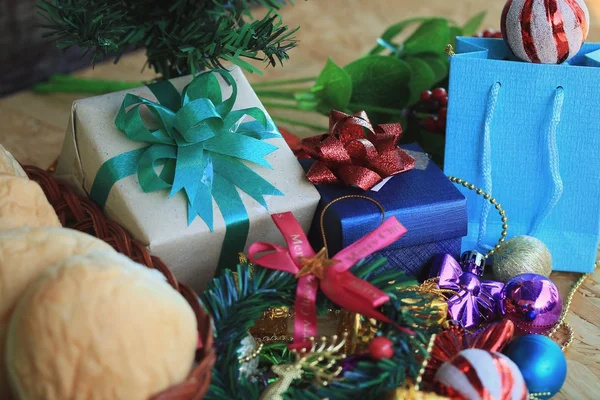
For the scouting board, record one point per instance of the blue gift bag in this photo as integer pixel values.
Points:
(529, 134)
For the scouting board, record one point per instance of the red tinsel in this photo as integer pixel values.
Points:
(452, 341)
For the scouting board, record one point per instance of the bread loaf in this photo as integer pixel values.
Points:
(24, 204)
(99, 326)
(24, 255)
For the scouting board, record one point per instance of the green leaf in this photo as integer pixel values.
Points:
(454, 32)
(423, 78)
(380, 81)
(333, 86)
(472, 25)
(394, 31)
(431, 37)
(438, 64)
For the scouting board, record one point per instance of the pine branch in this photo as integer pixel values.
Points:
(371, 379)
(180, 36)
(235, 305)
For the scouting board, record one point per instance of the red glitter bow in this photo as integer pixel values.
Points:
(355, 152)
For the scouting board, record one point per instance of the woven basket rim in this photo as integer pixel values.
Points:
(80, 213)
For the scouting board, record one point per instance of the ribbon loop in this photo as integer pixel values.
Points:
(476, 300)
(355, 152)
(336, 281)
(194, 137)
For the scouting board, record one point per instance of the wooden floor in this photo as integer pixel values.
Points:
(32, 126)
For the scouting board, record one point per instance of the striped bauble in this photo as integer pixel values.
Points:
(476, 374)
(545, 31)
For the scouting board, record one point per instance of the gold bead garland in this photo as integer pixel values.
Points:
(252, 355)
(424, 363)
(562, 321)
(494, 202)
(538, 396)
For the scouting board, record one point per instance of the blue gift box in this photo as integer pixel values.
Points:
(433, 211)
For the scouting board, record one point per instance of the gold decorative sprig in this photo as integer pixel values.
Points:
(321, 359)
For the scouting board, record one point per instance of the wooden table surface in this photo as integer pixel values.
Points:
(32, 126)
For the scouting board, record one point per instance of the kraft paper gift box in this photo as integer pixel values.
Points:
(160, 221)
(529, 135)
(429, 206)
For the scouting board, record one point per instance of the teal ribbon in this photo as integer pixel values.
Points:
(201, 145)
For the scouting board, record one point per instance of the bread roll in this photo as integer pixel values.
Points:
(8, 164)
(24, 254)
(99, 326)
(23, 204)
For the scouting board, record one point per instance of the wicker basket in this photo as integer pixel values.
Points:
(82, 214)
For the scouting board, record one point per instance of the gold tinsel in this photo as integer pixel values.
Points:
(409, 392)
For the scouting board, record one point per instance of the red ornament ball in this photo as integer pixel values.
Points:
(545, 31)
(380, 348)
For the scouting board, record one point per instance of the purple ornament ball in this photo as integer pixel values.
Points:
(533, 303)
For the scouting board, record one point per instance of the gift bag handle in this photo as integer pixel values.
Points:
(485, 161)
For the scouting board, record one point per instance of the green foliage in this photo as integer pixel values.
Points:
(383, 82)
(235, 304)
(372, 379)
(236, 301)
(424, 49)
(430, 37)
(333, 87)
(379, 81)
(180, 36)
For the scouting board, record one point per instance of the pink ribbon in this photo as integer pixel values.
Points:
(338, 284)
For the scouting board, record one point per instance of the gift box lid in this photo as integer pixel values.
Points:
(423, 200)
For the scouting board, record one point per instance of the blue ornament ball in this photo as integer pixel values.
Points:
(542, 363)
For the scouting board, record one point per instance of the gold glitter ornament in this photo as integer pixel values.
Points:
(359, 330)
(521, 255)
(431, 307)
(272, 327)
(432, 315)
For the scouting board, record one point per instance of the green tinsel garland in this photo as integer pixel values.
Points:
(237, 301)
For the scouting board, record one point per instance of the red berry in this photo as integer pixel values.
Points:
(443, 113)
(441, 125)
(444, 101)
(380, 348)
(430, 124)
(497, 35)
(439, 94)
(425, 96)
(488, 33)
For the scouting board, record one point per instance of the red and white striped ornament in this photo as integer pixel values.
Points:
(545, 31)
(476, 374)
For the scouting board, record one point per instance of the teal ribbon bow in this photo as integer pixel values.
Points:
(201, 144)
